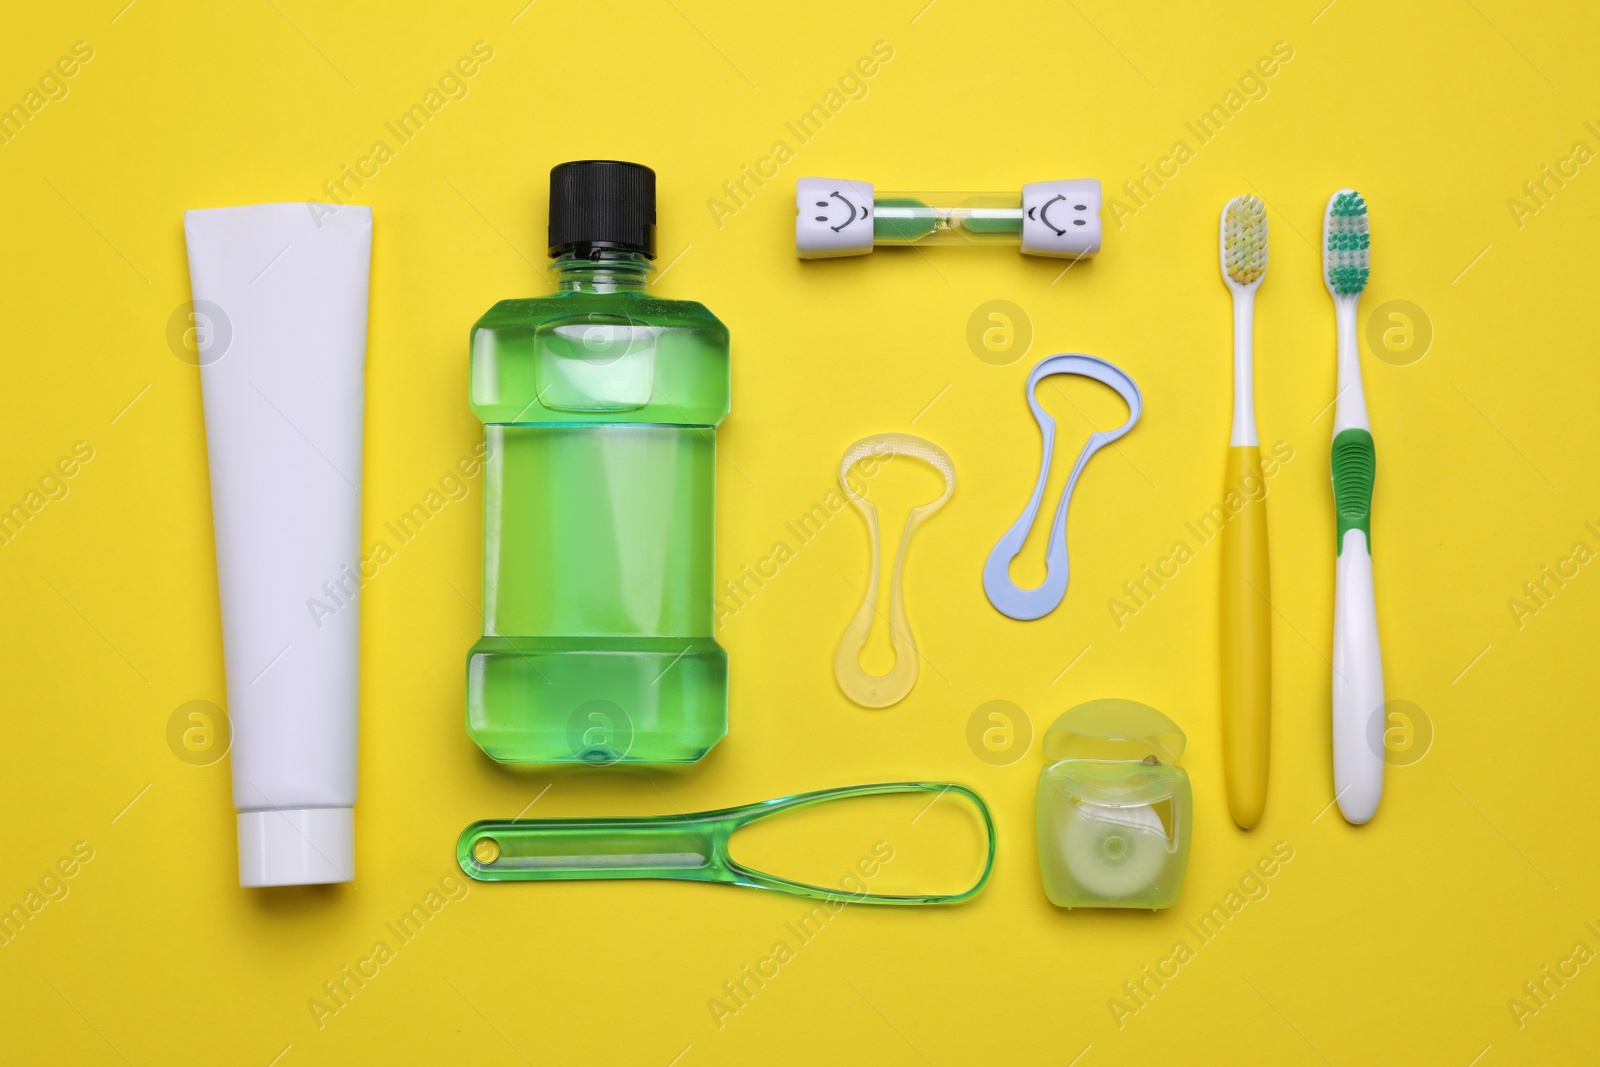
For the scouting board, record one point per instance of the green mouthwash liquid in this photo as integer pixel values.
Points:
(600, 405)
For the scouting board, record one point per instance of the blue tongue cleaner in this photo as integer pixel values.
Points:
(997, 584)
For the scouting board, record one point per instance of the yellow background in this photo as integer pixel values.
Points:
(1400, 942)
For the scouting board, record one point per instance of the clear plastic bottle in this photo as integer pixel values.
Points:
(600, 405)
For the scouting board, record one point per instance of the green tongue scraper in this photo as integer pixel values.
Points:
(691, 847)
(841, 217)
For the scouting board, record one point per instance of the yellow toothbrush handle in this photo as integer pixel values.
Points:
(1246, 641)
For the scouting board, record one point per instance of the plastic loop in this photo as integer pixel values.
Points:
(997, 584)
(683, 847)
(874, 690)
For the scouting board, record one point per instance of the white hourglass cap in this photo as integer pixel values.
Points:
(1061, 219)
(833, 217)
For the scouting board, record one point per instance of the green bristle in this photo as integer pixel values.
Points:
(1347, 258)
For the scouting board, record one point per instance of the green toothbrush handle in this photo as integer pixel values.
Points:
(1357, 656)
(691, 847)
(1354, 463)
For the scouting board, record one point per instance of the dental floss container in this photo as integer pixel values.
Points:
(1114, 812)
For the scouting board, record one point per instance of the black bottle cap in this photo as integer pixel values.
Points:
(602, 205)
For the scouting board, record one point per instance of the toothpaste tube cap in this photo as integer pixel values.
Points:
(296, 846)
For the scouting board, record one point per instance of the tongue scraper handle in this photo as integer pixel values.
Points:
(692, 847)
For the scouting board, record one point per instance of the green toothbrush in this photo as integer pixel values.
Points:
(1357, 662)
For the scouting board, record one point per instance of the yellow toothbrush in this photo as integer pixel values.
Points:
(1246, 581)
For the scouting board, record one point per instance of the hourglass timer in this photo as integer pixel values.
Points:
(839, 217)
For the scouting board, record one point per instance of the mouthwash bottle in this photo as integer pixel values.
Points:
(600, 405)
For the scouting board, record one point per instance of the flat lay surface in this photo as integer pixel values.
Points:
(1458, 927)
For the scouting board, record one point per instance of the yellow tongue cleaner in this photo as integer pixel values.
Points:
(882, 690)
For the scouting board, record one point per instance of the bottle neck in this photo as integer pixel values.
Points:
(604, 272)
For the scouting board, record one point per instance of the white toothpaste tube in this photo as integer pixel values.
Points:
(280, 293)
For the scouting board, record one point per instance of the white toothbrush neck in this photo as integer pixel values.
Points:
(1350, 410)
(1244, 389)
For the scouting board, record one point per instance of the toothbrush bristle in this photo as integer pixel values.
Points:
(1244, 239)
(1347, 257)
